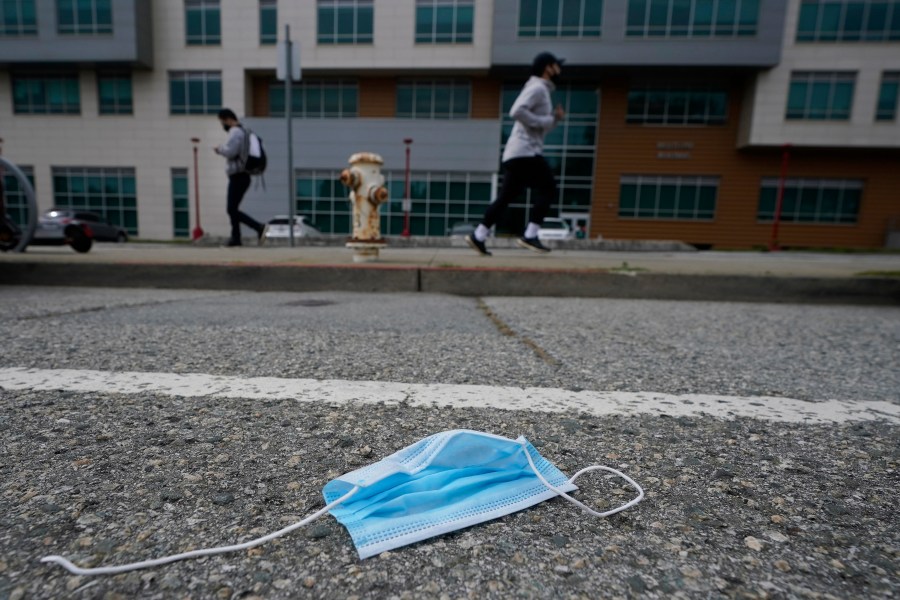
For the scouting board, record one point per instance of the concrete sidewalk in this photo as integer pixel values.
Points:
(687, 275)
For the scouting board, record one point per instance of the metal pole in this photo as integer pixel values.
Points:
(2, 196)
(407, 200)
(288, 109)
(198, 231)
(785, 156)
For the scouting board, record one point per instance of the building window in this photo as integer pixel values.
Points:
(886, 110)
(444, 21)
(677, 106)
(439, 200)
(46, 95)
(849, 21)
(114, 93)
(195, 92)
(84, 16)
(203, 22)
(433, 99)
(181, 204)
(680, 197)
(811, 200)
(107, 191)
(16, 201)
(560, 18)
(692, 18)
(321, 197)
(316, 99)
(268, 22)
(570, 149)
(345, 21)
(821, 95)
(18, 17)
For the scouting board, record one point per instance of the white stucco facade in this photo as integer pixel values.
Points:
(153, 141)
(764, 122)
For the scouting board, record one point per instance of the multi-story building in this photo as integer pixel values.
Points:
(686, 119)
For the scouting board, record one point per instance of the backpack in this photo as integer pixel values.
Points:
(256, 154)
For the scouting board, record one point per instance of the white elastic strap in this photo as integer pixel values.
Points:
(631, 481)
(75, 570)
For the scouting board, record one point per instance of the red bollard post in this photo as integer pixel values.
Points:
(785, 157)
(198, 231)
(406, 199)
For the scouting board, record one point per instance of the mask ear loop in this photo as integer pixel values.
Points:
(75, 570)
(631, 481)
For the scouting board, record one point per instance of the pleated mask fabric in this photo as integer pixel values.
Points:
(442, 483)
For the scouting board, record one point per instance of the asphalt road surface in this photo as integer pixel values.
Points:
(141, 423)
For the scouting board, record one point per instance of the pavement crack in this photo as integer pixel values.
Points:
(92, 309)
(504, 328)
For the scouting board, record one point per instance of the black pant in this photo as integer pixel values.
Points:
(237, 187)
(520, 173)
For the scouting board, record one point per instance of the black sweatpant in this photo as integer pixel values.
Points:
(520, 173)
(237, 187)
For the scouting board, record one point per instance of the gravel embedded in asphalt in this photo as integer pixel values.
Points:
(733, 508)
(805, 352)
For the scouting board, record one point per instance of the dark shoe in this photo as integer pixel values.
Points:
(477, 246)
(232, 244)
(533, 244)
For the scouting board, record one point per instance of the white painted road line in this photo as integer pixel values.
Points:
(341, 392)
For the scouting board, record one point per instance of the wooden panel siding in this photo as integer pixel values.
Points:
(259, 95)
(632, 149)
(485, 99)
(377, 97)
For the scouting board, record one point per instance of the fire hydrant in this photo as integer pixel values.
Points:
(367, 192)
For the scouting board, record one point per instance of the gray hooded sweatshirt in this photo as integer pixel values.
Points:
(234, 150)
(533, 112)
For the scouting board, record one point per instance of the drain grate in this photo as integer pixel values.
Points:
(310, 303)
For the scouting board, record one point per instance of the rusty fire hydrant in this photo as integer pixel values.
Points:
(367, 192)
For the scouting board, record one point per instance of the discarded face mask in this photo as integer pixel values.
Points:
(440, 484)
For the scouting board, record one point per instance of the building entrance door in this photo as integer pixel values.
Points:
(578, 222)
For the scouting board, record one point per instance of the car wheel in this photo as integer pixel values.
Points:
(121, 238)
(79, 241)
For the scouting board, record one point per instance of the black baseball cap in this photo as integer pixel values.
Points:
(542, 61)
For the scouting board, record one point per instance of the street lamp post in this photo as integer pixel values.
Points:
(407, 201)
(198, 231)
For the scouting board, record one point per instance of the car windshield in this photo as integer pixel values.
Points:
(278, 222)
(553, 225)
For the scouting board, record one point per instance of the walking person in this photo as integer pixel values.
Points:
(236, 150)
(523, 163)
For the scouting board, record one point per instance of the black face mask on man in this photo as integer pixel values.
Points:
(226, 127)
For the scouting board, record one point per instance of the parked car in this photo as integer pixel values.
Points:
(461, 230)
(278, 227)
(79, 229)
(555, 229)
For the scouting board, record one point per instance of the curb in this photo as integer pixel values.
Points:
(462, 282)
(395, 242)
(663, 286)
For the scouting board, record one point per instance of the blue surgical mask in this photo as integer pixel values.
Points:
(445, 482)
